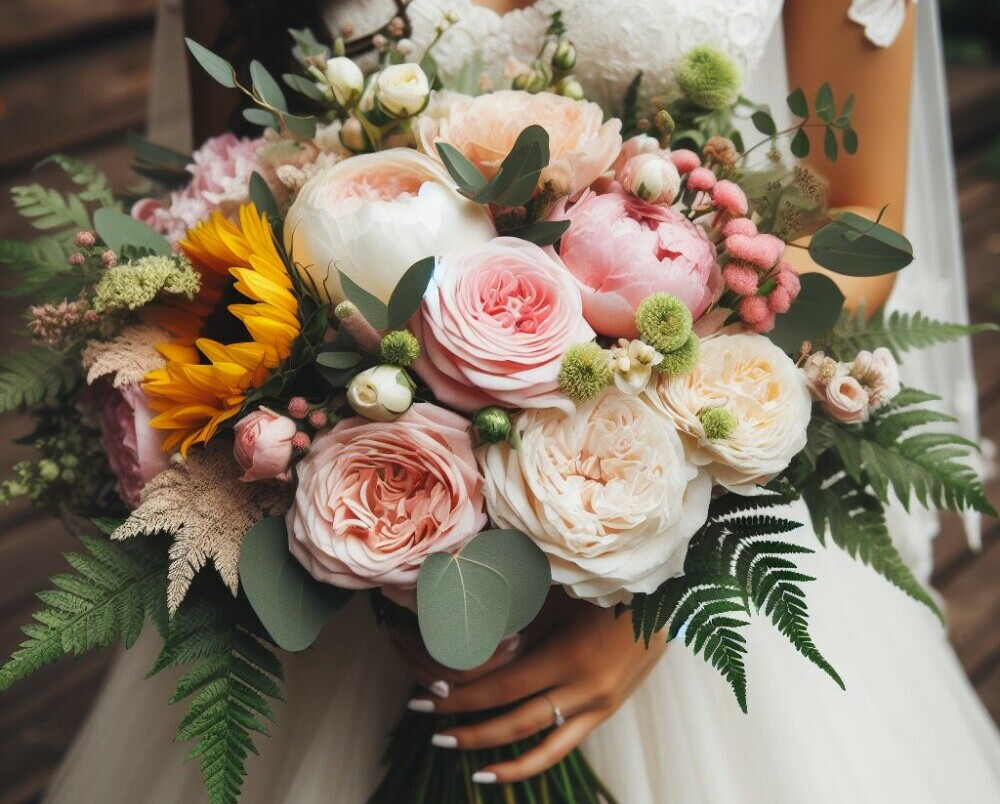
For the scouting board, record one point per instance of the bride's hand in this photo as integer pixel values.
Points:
(577, 657)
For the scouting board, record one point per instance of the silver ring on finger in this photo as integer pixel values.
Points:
(558, 719)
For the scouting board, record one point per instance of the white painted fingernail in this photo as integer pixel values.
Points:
(420, 705)
(440, 688)
(484, 777)
(513, 643)
(444, 741)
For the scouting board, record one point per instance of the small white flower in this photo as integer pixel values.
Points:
(346, 80)
(878, 372)
(402, 90)
(382, 393)
(651, 177)
(632, 363)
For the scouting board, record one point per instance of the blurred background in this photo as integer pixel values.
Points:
(75, 77)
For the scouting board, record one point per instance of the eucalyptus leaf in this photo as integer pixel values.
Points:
(268, 90)
(371, 307)
(304, 127)
(797, 103)
(516, 180)
(523, 565)
(830, 145)
(409, 291)
(120, 231)
(541, 233)
(855, 246)
(465, 174)
(849, 139)
(303, 86)
(800, 144)
(263, 198)
(339, 360)
(155, 154)
(764, 123)
(814, 312)
(261, 117)
(292, 605)
(824, 103)
(216, 66)
(848, 108)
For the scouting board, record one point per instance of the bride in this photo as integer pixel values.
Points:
(660, 726)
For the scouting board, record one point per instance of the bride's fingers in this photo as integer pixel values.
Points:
(440, 679)
(547, 753)
(534, 715)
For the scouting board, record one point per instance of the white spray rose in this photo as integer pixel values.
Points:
(878, 372)
(605, 492)
(382, 393)
(346, 80)
(845, 400)
(761, 387)
(632, 363)
(373, 216)
(402, 90)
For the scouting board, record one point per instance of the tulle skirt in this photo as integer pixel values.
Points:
(908, 728)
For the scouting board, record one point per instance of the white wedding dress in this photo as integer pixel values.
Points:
(908, 728)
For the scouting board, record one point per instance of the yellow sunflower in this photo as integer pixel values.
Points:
(206, 382)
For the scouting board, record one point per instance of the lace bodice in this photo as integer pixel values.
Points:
(615, 38)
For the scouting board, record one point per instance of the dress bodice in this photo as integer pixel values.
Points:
(614, 38)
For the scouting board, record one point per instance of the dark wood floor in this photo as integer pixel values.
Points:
(74, 76)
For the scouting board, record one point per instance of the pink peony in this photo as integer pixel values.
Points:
(495, 324)
(263, 446)
(134, 449)
(376, 498)
(621, 250)
(485, 128)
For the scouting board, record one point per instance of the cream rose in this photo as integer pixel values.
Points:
(485, 128)
(373, 216)
(761, 387)
(402, 90)
(376, 498)
(605, 492)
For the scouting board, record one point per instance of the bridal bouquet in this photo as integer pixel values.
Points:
(451, 348)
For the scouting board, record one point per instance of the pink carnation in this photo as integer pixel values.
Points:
(684, 160)
(376, 498)
(701, 179)
(134, 449)
(740, 278)
(622, 250)
(729, 197)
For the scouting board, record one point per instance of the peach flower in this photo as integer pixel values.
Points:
(373, 216)
(376, 498)
(605, 492)
(134, 449)
(485, 128)
(263, 446)
(622, 250)
(845, 400)
(494, 325)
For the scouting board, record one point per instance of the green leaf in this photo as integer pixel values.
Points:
(371, 307)
(848, 108)
(830, 145)
(119, 230)
(292, 606)
(50, 209)
(261, 117)
(268, 90)
(40, 268)
(303, 86)
(764, 123)
(630, 111)
(94, 182)
(797, 103)
(813, 313)
(467, 602)
(899, 332)
(465, 174)
(849, 139)
(264, 199)
(304, 127)
(33, 375)
(516, 180)
(155, 154)
(800, 144)
(216, 66)
(824, 103)
(339, 360)
(855, 246)
(541, 233)
(409, 292)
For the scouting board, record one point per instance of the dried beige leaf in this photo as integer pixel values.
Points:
(129, 356)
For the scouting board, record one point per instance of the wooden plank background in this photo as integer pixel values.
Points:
(74, 76)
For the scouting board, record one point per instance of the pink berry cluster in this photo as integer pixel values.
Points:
(87, 243)
(317, 418)
(766, 284)
(727, 197)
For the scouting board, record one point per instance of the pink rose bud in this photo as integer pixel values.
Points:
(651, 178)
(264, 444)
(846, 400)
(108, 258)
(318, 419)
(77, 259)
(84, 239)
(298, 407)
(301, 442)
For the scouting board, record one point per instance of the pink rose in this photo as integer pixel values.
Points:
(263, 446)
(494, 325)
(134, 449)
(621, 250)
(485, 128)
(376, 498)
(846, 401)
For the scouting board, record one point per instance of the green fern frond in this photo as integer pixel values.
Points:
(34, 375)
(49, 209)
(40, 268)
(233, 676)
(87, 175)
(899, 333)
(116, 587)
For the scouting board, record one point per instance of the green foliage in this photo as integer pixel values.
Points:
(41, 269)
(855, 246)
(34, 374)
(234, 674)
(68, 213)
(898, 332)
(116, 586)
(734, 568)
(813, 313)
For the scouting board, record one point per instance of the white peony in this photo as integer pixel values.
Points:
(373, 216)
(764, 391)
(605, 492)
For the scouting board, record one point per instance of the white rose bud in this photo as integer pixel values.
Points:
(846, 400)
(346, 80)
(402, 90)
(632, 363)
(352, 136)
(651, 177)
(382, 393)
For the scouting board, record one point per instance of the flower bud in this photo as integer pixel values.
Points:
(346, 80)
(48, 470)
(708, 77)
(718, 423)
(352, 136)
(664, 123)
(298, 407)
(382, 393)
(651, 177)
(683, 360)
(402, 90)
(585, 371)
(493, 424)
(564, 58)
(263, 445)
(399, 348)
(84, 239)
(569, 87)
(664, 322)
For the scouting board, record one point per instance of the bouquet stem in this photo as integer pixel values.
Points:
(420, 773)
